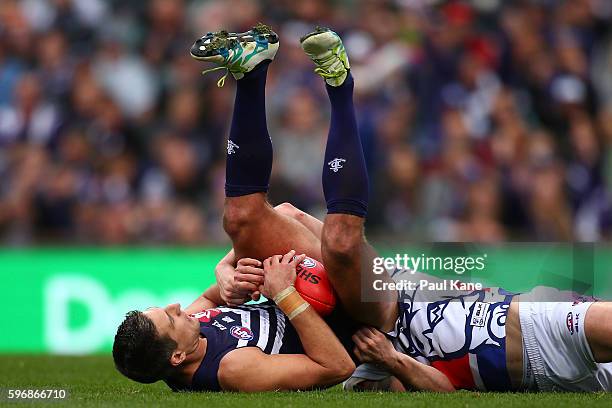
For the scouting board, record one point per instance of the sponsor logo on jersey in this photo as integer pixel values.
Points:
(218, 325)
(241, 333)
(569, 322)
(227, 319)
(479, 317)
(206, 315)
(576, 321)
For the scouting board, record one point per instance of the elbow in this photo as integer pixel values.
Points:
(443, 387)
(348, 369)
(344, 369)
(447, 388)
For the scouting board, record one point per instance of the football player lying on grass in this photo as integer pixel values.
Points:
(264, 347)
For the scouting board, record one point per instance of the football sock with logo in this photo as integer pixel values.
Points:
(345, 178)
(249, 148)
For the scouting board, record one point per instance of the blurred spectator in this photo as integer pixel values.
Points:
(481, 120)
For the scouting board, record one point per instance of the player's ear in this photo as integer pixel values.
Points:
(177, 358)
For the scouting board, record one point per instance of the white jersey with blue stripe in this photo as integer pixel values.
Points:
(460, 332)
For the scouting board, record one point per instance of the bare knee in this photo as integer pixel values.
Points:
(239, 214)
(342, 238)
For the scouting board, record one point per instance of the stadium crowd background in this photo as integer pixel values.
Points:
(482, 121)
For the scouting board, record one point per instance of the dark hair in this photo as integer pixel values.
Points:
(140, 353)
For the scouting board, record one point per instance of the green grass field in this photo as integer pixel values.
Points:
(92, 381)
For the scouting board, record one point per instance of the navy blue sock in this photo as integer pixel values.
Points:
(249, 148)
(345, 178)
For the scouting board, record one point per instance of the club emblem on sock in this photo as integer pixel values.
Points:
(336, 164)
(231, 146)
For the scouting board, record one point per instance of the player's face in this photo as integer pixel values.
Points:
(174, 322)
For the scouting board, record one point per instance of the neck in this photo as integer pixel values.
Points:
(185, 373)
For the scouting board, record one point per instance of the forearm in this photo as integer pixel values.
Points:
(418, 376)
(321, 344)
(228, 260)
(209, 299)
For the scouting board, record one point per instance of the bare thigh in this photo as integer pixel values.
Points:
(348, 260)
(598, 330)
(258, 231)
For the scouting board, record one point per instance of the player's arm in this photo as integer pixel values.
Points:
(325, 361)
(235, 284)
(229, 289)
(238, 281)
(371, 346)
(209, 299)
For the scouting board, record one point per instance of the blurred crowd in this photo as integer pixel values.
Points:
(482, 120)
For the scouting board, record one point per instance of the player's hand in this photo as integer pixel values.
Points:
(240, 284)
(371, 346)
(279, 272)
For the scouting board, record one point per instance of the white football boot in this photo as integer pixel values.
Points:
(237, 53)
(325, 48)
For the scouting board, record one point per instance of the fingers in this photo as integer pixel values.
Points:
(244, 288)
(276, 259)
(255, 280)
(288, 256)
(298, 259)
(362, 332)
(249, 262)
(372, 333)
(235, 302)
(359, 341)
(363, 340)
(233, 299)
(249, 274)
(267, 263)
(362, 355)
(255, 296)
(244, 269)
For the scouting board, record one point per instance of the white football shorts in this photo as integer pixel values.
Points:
(558, 356)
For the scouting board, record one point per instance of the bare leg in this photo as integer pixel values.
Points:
(598, 329)
(258, 231)
(348, 260)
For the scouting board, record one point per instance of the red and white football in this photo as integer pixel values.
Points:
(313, 285)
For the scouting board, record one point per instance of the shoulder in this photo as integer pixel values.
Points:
(237, 364)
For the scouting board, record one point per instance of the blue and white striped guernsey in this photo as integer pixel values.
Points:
(229, 328)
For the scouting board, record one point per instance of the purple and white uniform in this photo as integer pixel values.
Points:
(229, 328)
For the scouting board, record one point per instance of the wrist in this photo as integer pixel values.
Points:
(394, 362)
(283, 293)
(290, 302)
(219, 268)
